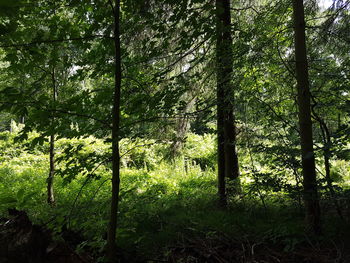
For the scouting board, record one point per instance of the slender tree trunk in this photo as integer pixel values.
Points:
(182, 127)
(11, 125)
(312, 208)
(50, 179)
(227, 155)
(50, 192)
(327, 164)
(327, 141)
(111, 235)
(21, 120)
(329, 181)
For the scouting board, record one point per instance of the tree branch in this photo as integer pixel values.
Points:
(52, 41)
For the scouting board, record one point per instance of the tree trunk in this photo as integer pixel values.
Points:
(182, 127)
(22, 119)
(327, 165)
(50, 192)
(327, 141)
(50, 179)
(11, 125)
(111, 235)
(312, 208)
(227, 156)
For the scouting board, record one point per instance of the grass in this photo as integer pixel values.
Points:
(158, 207)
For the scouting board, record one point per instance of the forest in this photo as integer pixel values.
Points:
(174, 131)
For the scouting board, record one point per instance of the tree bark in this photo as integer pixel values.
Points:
(226, 129)
(311, 201)
(111, 235)
(50, 179)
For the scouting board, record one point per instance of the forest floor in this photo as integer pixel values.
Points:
(22, 241)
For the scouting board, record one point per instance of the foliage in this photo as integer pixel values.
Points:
(56, 81)
(157, 205)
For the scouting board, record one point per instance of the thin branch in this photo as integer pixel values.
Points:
(36, 105)
(111, 5)
(52, 41)
(245, 8)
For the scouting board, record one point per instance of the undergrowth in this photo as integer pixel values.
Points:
(161, 202)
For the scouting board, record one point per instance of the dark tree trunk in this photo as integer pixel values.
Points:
(111, 235)
(312, 208)
(50, 179)
(221, 151)
(227, 155)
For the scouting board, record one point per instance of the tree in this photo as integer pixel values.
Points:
(111, 235)
(226, 130)
(38, 72)
(306, 138)
(50, 179)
